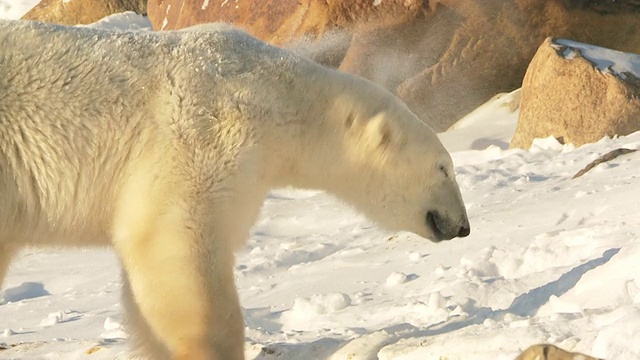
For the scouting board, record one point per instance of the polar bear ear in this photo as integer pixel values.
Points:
(379, 132)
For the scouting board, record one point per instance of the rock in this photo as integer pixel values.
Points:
(73, 12)
(268, 20)
(550, 352)
(578, 93)
(464, 52)
(280, 21)
(329, 51)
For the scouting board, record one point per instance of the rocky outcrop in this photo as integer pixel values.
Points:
(73, 12)
(443, 57)
(283, 20)
(578, 93)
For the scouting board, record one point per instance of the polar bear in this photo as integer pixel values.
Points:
(164, 146)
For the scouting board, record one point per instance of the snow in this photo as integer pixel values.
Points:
(493, 123)
(549, 259)
(606, 60)
(126, 21)
(15, 9)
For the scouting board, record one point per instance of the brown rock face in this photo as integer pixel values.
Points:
(268, 20)
(283, 20)
(75, 12)
(443, 57)
(566, 96)
(550, 352)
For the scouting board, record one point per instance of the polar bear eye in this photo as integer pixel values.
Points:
(443, 170)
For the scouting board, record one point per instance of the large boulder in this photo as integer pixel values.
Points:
(443, 57)
(578, 93)
(74, 12)
(280, 21)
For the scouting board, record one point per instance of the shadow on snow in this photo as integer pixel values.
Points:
(524, 305)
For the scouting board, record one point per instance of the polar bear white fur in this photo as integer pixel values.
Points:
(164, 146)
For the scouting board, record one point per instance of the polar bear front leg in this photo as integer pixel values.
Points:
(183, 285)
(144, 342)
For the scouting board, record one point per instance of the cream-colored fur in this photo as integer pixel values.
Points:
(164, 146)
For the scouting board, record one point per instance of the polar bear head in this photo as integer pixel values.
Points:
(402, 176)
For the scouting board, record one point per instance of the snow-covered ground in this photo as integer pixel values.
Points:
(549, 259)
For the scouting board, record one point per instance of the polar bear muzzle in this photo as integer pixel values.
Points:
(445, 229)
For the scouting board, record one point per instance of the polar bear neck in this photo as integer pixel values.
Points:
(316, 153)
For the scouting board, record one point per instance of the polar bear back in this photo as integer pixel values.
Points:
(79, 105)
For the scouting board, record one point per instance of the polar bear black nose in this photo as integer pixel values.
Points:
(444, 229)
(464, 231)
